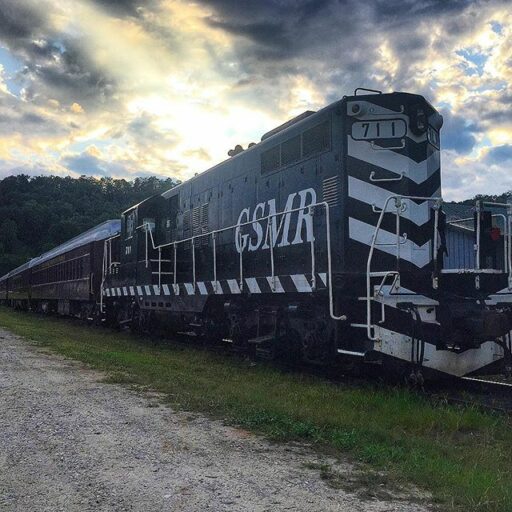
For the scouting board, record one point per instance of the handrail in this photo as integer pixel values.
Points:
(398, 205)
(273, 237)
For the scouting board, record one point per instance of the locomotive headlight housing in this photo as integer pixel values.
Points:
(357, 109)
(418, 120)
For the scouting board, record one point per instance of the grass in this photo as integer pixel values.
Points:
(462, 456)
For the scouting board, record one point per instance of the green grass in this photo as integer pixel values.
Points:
(463, 456)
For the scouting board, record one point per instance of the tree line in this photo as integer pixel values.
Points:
(41, 212)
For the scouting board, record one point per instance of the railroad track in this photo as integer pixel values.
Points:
(470, 392)
(484, 394)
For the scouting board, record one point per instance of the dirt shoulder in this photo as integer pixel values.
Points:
(70, 442)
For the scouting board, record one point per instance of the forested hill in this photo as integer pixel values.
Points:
(38, 213)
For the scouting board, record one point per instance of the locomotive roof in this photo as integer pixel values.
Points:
(102, 231)
(295, 123)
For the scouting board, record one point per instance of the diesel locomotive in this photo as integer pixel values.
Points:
(325, 240)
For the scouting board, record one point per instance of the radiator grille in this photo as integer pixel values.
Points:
(331, 191)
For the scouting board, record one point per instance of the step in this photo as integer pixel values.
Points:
(262, 339)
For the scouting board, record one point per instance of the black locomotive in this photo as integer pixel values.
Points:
(326, 239)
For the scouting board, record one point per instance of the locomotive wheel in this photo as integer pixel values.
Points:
(135, 324)
(237, 336)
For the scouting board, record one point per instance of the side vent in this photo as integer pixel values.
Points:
(204, 224)
(331, 191)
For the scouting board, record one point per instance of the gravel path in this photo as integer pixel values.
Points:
(69, 442)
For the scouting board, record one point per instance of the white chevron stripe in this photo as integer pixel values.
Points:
(394, 162)
(156, 289)
(275, 284)
(301, 283)
(202, 288)
(119, 292)
(190, 288)
(139, 290)
(132, 290)
(233, 286)
(125, 290)
(252, 284)
(376, 196)
(217, 288)
(176, 289)
(166, 289)
(147, 290)
(323, 277)
(409, 251)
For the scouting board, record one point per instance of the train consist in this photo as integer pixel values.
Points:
(326, 240)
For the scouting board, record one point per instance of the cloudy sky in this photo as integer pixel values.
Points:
(131, 88)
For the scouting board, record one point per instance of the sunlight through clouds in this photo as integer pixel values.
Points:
(167, 87)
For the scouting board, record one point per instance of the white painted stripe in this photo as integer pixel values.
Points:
(176, 289)
(394, 162)
(376, 196)
(409, 251)
(391, 296)
(252, 284)
(233, 286)
(132, 290)
(202, 288)
(147, 289)
(139, 290)
(107, 292)
(125, 290)
(275, 284)
(156, 289)
(323, 277)
(166, 289)
(119, 293)
(190, 288)
(301, 283)
(399, 345)
(217, 288)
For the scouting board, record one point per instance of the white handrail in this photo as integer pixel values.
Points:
(149, 236)
(398, 205)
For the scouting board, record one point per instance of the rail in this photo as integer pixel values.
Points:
(272, 234)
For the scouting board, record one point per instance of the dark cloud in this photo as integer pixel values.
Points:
(90, 165)
(458, 133)
(23, 118)
(499, 154)
(55, 66)
(144, 133)
(86, 164)
(19, 20)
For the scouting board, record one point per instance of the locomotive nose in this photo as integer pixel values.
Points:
(468, 325)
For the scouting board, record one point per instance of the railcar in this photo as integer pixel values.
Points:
(3, 289)
(326, 239)
(18, 287)
(67, 279)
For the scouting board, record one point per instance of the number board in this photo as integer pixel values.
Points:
(433, 137)
(385, 129)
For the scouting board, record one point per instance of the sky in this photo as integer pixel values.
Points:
(129, 88)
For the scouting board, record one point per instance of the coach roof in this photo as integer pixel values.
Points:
(102, 231)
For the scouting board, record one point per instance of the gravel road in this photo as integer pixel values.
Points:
(70, 442)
